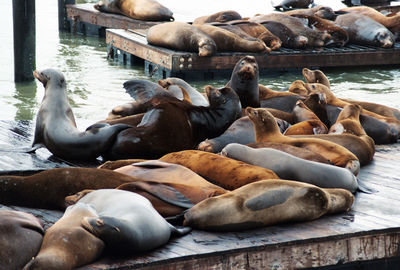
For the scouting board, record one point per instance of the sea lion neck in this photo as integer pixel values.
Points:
(265, 125)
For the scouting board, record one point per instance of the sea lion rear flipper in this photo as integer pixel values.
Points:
(33, 148)
(142, 91)
(364, 188)
(175, 232)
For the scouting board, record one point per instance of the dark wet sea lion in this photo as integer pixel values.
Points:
(257, 30)
(241, 131)
(315, 38)
(222, 16)
(225, 172)
(289, 167)
(323, 12)
(266, 130)
(175, 125)
(127, 222)
(293, 150)
(66, 244)
(289, 38)
(146, 10)
(181, 36)
(228, 41)
(56, 128)
(48, 189)
(286, 4)
(265, 203)
(21, 235)
(365, 31)
(244, 81)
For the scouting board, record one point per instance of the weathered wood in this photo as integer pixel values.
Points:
(24, 40)
(178, 62)
(63, 23)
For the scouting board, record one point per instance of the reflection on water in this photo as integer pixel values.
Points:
(95, 83)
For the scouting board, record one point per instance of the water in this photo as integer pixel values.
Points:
(95, 83)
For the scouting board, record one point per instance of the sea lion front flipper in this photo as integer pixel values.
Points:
(142, 91)
(175, 232)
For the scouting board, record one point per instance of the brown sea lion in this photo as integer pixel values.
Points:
(48, 189)
(222, 16)
(315, 38)
(348, 121)
(257, 30)
(127, 222)
(56, 128)
(181, 36)
(66, 244)
(225, 172)
(264, 203)
(146, 10)
(289, 167)
(244, 81)
(175, 125)
(293, 150)
(323, 12)
(266, 130)
(228, 41)
(356, 25)
(21, 235)
(288, 37)
(376, 108)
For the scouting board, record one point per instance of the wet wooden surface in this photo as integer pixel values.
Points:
(134, 42)
(371, 230)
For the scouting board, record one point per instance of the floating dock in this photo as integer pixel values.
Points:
(368, 235)
(85, 19)
(129, 46)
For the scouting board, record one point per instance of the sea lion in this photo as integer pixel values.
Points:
(280, 100)
(241, 131)
(288, 37)
(48, 189)
(293, 150)
(376, 108)
(316, 76)
(348, 121)
(264, 203)
(195, 96)
(323, 12)
(266, 129)
(244, 81)
(146, 10)
(225, 172)
(66, 244)
(127, 222)
(222, 16)
(365, 31)
(56, 128)
(21, 235)
(315, 38)
(115, 164)
(175, 125)
(228, 41)
(181, 36)
(307, 122)
(289, 167)
(259, 31)
(286, 4)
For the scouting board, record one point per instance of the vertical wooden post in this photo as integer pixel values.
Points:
(62, 14)
(24, 39)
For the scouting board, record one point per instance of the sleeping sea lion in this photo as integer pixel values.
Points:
(181, 36)
(266, 129)
(146, 10)
(289, 38)
(225, 172)
(323, 12)
(56, 128)
(222, 16)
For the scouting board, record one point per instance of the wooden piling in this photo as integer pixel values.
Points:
(63, 23)
(24, 39)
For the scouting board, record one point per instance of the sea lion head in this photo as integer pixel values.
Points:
(247, 68)
(384, 38)
(298, 41)
(222, 96)
(325, 12)
(52, 76)
(228, 15)
(298, 87)
(207, 47)
(260, 116)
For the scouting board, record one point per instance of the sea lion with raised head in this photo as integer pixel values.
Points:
(127, 222)
(67, 244)
(21, 235)
(146, 10)
(56, 128)
(181, 36)
(289, 167)
(266, 203)
(266, 129)
(225, 172)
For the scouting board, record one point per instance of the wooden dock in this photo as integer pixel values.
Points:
(85, 19)
(368, 234)
(126, 46)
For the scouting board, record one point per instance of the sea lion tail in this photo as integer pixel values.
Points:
(177, 231)
(365, 188)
